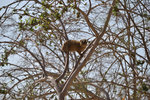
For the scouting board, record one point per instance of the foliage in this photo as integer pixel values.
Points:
(32, 33)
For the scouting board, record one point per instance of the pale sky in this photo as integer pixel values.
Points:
(5, 2)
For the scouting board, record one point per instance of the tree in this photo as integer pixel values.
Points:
(114, 65)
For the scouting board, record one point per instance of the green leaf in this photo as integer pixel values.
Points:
(140, 62)
(52, 96)
(115, 10)
(144, 87)
(21, 43)
(3, 91)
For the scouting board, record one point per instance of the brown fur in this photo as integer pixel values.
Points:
(74, 45)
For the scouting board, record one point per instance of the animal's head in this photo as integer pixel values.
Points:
(83, 42)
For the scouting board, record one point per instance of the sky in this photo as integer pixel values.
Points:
(5, 2)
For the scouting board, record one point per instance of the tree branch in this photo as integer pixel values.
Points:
(78, 69)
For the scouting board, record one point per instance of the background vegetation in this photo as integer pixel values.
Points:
(116, 66)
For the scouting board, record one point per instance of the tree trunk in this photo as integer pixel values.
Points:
(61, 96)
